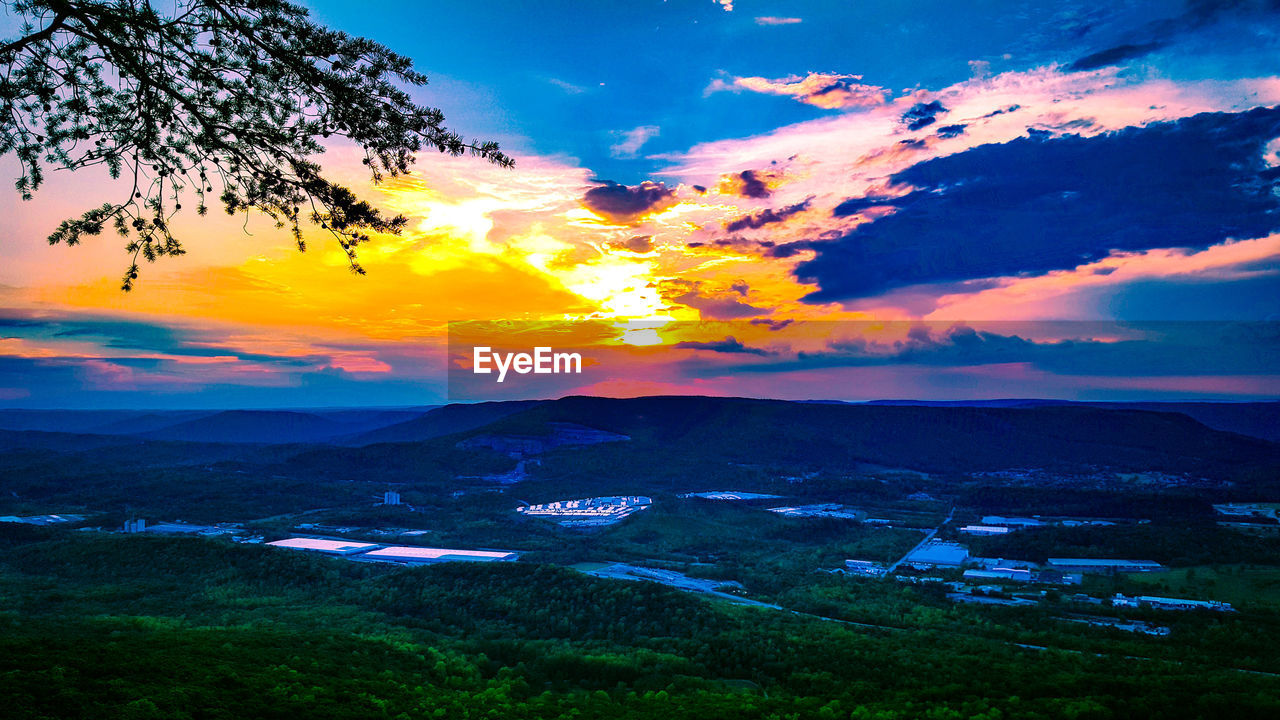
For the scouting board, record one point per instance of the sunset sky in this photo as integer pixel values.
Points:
(847, 200)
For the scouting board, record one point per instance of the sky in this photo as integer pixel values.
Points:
(845, 200)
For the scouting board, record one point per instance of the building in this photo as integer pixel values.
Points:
(178, 528)
(391, 498)
(938, 554)
(135, 526)
(730, 495)
(328, 547)
(1021, 522)
(868, 568)
(1103, 565)
(41, 520)
(589, 511)
(1014, 574)
(984, 529)
(1166, 603)
(408, 554)
(822, 510)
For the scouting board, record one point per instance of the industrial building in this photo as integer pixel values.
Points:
(391, 498)
(177, 528)
(407, 554)
(730, 495)
(868, 568)
(1166, 603)
(41, 519)
(1021, 522)
(984, 530)
(1004, 573)
(328, 547)
(1103, 565)
(822, 510)
(938, 554)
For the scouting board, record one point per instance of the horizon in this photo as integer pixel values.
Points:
(432, 406)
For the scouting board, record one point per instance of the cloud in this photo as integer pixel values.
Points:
(922, 115)
(635, 244)
(632, 140)
(1091, 349)
(1114, 55)
(829, 91)
(949, 131)
(567, 86)
(765, 217)
(726, 4)
(1159, 34)
(625, 205)
(728, 345)
(773, 325)
(755, 184)
(1031, 206)
(769, 20)
(723, 305)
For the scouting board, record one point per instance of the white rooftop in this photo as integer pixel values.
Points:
(339, 547)
(424, 554)
(1103, 562)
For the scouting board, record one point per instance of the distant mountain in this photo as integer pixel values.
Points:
(251, 426)
(279, 426)
(441, 421)
(1256, 419)
(939, 439)
(100, 422)
(222, 426)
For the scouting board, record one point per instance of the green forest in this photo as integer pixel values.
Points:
(112, 626)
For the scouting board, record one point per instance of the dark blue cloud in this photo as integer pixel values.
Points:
(127, 335)
(1115, 55)
(1153, 349)
(1160, 34)
(922, 115)
(624, 204)
(765, 217)
(950, 131)
(1031, 206)
(751, 185)
(728, 345)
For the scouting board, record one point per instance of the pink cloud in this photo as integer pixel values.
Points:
(768, 20)
(829, 91)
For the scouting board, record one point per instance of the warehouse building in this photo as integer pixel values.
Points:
(1167, 603)
(407, 554)
(938, 554)
(984, 530)
(1103, 565)
(1003, 573)
(328, 547)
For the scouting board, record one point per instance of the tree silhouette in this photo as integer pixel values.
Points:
(236, 95)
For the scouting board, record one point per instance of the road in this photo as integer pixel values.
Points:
(921, 544)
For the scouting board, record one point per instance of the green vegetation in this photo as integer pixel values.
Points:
(100, 625)
(135, 627)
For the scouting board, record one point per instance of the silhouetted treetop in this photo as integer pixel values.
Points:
(231, 98)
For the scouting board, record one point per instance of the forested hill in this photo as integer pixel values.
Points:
(937, 439)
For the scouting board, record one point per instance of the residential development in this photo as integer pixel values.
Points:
(589, 512)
